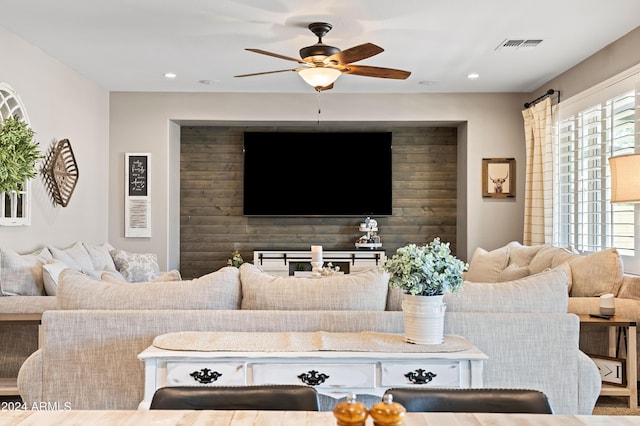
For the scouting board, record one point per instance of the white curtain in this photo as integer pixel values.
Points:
(538, 202)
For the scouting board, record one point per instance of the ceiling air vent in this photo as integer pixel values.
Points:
(518, 44)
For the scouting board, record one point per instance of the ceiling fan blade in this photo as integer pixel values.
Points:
(376, 72)
(276, 55)
(355, 54)
(262, 73)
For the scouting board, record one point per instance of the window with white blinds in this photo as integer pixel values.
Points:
(589, 130)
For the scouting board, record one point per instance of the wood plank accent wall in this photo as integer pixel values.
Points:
(212, 225)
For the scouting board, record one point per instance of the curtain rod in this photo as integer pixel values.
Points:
(539, 98)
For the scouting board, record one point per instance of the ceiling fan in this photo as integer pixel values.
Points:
(323, 64)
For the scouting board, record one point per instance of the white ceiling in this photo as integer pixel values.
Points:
(128, 45)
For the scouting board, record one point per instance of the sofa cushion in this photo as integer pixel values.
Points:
(172, 275)
(563, 255)
(542, 260)
(597, 273)
(522, 255)
(625, 308)
(549, 257)
(513, 272)
(21, 274)
(50, 274)
(217, 290)
(101, 257)
(75, 257)
(567, 269)
(485, 266)
(136, 267)
(543, 292)
(113, 276)
(366, 291)
(116, 277)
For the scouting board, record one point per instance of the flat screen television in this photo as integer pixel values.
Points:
(317, 174)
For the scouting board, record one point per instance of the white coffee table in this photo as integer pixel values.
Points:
(332, 373)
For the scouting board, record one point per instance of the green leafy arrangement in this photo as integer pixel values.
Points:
(236, 259)
(427, 270)
(18, 154)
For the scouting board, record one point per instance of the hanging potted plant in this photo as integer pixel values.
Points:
(18, 154)
(425, 273)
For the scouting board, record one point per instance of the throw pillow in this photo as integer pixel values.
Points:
(217, 290)
(550, 257)
(485, 266)
(563, 255)
(101, 257)
(542, 260)
(567, 269)
(136, 267)
(50, 274)
(366, 291)
(75, 257)
(112, 277)
(21, 274)
(116, 277)
(513, 272)
(522, 255)
(545, 292)
(172, 275)
(596, 274)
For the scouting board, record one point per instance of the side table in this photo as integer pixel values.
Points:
(617, 325)
(8, 385)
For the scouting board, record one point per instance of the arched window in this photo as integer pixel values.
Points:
(15, 207)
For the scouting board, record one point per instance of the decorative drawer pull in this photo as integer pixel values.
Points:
(420, 377)
(205, 376)
(313, 378)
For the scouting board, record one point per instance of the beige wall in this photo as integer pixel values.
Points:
(63, 104)
(611, 60)
(60, 104)
(142, 122)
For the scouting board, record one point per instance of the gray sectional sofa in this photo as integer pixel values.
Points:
(90, 342)
(28, 284)
(590, 276)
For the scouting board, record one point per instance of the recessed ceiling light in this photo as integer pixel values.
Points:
(170, 75)
(429, 82)
(208, 81)
(473, 76)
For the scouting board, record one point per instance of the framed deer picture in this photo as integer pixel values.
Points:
(498, 177)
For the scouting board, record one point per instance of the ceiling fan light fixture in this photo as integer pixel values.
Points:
(319, 77)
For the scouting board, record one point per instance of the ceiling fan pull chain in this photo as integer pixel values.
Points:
(318, 102)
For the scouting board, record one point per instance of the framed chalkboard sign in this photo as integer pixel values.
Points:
(138, 174)
(137, 200)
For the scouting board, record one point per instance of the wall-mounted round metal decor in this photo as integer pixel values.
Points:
(60, 172)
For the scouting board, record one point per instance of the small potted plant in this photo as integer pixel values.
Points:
(236, 259)
(425, 273)
(18, 154)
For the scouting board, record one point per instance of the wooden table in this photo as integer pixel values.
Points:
(20, 318)
(8, 385)
(298, 418)
(616, 324)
